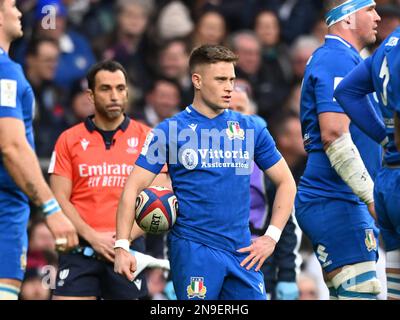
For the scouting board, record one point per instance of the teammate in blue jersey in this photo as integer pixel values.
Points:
(209, 149)
(380, 73)
(20, 174)
(334, 202)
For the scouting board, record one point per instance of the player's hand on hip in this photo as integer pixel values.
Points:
(124, 263)
(260, 249)
(63, 231)
(103, 244)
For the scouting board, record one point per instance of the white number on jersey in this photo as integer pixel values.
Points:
(385, 75)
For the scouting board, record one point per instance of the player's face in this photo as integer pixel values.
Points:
(215, 84)
(10, 20)
(367, 22)
(110, 95)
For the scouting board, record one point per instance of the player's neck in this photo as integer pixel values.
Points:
(204, 109)
(107, 124)
(4, 44)
(348, 35)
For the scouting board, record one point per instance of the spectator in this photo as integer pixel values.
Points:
(174, 21)
(296, 17)
(275, 56)
(42, 58)
(300, 52)
(249, 66)
(128, 44)
(308, 289)
(173, 64)
(162, 101)
(290, 143)
(80, 103)
(210, 29)
(320, 30)
(76, 53)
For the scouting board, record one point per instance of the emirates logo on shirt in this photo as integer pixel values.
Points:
(84, 144)
(132, 145)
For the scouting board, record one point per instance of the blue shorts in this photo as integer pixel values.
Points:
(203, 273)
(341, 232)
(82, 276)
(387, 206)
(14, 216)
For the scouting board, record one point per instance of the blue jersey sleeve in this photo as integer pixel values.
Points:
(326, 78)
(10, 97)
(352, 92)
(155, 149)
(394, 82)
(265, 152)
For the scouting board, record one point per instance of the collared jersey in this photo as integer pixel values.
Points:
(209, 163)
(98, 172)
(328, 65)
(16, 101)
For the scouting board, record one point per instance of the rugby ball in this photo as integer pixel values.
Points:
(156, 209)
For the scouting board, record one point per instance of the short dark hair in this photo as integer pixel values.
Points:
(107, 65)
(330, 4)
(36, 41)
(209, 54)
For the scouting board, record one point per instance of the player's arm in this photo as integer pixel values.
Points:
(102, 243)
(334, 128)
(352, 93)
(138, 180)
(262, 247)
(23, 166)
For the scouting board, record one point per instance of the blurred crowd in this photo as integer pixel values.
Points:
(152, 39)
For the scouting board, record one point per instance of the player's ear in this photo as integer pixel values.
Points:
(196, 80)
(90, 95)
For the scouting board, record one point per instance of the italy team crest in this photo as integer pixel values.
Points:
(234, 131)
(370, 240)
(196, 288)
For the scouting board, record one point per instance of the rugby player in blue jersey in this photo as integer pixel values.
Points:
(20, 174)
(380, 73)
(334, 203)
(209, 150)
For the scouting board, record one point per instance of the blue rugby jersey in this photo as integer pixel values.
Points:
(209, 164)
(378, 73)
(326, 68)
(16, 101)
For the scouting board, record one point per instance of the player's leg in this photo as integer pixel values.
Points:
(9, 289)
(354, 253)
(310, 217)
(333, 295)
(387, 204)
(78, 278)
(13, 248)
(242, 284)
(197, 271)
(393, 274)
(344, 240)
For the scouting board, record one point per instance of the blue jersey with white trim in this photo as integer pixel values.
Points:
(16, 101)
(385, 75)
(209, 161)
(327, 67)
